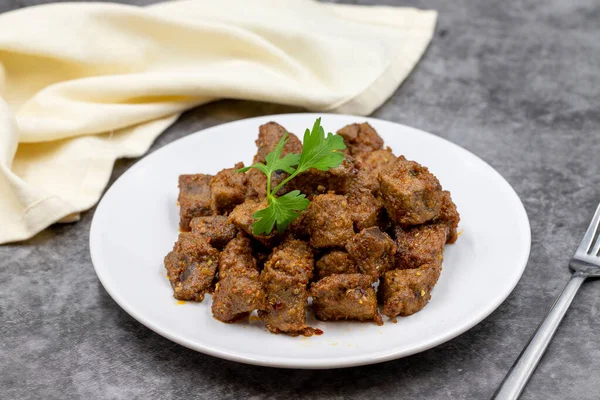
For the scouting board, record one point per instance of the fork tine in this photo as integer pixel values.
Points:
(586, 242)
(596, 248)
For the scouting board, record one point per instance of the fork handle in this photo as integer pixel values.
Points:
(518, 375)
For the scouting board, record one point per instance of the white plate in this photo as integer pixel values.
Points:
(136, 224)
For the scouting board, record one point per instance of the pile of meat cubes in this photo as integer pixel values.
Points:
(374, 218)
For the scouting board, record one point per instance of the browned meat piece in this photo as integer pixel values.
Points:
(328, 221)
(227, 189)
(420, 245)
(216, 228)
(237, 295)
(241, 216)
(237, 255)
(339, 180)
(194, 198)
(269, 135)
(449, 216)
(345, 297)
(373, 251)
(284, 279)
(191, 266)
(285, 306)
(293, 257)
(364, 209)
(256, 184)
(336, 262)
(360, 138)
(411, 194)
(406, 291)
(369, 165)
(239, 291)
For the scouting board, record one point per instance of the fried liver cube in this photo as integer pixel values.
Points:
(241, 217)
(339, 180)
(294, 258)
(411, 194)
(227, 190)
(284, 279)
(418, 245)
(239, 290)
(285, 305)
(449, 216)
(405, 291)
(237, 255)
(191, 266)
(328, 221)
(345, 297)
(237, 295)
(369, 165)
(335, 262)
(364, 209)
(194, 198)
(256, 184)
(373, 251)
(269, 135)
(360, 138)
(216, 228)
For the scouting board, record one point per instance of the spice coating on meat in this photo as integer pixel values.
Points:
(449, 216)
(336, 262)
(193, 199)
(237, 255)
(269, 135)
(241, 216)
(328, 221)
(340, 180)
(369, 165)
(191, 266)
(420, 245)
(373, 251)
(294, 258)
(227, 189)
(410, 193)
(284, 279)
(239, 290)
(237, 295)
(360, 138)
(364, 209)
(216, 228)
(406, 291)
(345, 297)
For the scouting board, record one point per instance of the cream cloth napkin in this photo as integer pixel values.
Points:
(86, 83)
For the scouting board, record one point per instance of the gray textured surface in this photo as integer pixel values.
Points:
(515, 82)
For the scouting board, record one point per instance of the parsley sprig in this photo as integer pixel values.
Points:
(318, 151)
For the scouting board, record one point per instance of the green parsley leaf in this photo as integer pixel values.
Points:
(282, 210)
(274, 162)
(318, 152)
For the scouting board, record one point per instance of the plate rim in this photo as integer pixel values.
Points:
(344, 362)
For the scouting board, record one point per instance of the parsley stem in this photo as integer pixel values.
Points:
(269, 195)
(283, 182)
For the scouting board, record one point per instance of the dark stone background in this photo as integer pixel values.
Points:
(514, 82)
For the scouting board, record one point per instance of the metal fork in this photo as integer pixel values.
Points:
(584, 264)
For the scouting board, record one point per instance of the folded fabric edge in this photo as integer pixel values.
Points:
(36, 219)
(384, 86)
(53, 209)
